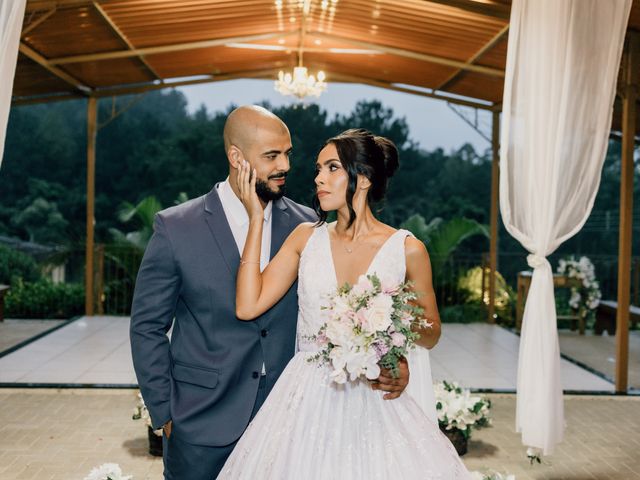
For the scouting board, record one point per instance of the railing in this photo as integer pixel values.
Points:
(116, 268)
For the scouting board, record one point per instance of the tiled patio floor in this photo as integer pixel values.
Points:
(599, 352)
(95, 350)
(49, 434)
(14, 331)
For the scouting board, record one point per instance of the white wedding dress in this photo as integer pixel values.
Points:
(310, 428)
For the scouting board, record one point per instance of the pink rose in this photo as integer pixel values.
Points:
(398, 339)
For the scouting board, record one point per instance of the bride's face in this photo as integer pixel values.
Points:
(331, 179)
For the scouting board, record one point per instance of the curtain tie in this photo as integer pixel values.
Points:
(536, 261)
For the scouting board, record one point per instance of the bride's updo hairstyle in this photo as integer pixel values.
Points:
(363, 153)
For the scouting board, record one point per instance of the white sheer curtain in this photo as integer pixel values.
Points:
(562, 65)
(11, 15)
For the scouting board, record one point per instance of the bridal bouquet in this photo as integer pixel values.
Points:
(368, 327)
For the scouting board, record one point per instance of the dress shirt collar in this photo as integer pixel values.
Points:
(234, 206)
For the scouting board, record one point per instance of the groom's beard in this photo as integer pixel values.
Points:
(267, 194)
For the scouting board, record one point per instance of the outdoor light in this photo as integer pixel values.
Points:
(300, 83)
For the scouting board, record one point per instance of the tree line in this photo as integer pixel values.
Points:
(156, 147)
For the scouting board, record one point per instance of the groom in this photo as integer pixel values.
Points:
(206, 385)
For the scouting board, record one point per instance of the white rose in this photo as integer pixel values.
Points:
(378, 314)
(363, 286)
(340, 307)
(339, 333)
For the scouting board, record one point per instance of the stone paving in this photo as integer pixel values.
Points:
(50, 434)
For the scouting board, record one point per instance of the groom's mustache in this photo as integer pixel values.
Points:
(277, 175)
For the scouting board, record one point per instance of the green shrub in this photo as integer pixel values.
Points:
(15, 264)
(464, 313)
(44, 299)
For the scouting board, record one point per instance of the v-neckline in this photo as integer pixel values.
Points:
(371, 263)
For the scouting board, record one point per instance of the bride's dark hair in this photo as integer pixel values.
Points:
(363, 153)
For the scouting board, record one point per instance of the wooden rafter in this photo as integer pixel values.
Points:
(494, 10)
(137, 52)
(43, 62)
(37, 22)
(38, 5)
(338, 77)
(108, 92)
(496, 72)
(123, 37)
(488, 46)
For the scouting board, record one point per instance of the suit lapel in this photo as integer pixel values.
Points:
(280, 228)
(219, 227)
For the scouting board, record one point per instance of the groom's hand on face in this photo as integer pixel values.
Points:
(393, 386)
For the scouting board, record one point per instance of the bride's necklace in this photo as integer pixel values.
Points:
(355, 242)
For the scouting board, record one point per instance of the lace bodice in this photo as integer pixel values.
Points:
(317, 277)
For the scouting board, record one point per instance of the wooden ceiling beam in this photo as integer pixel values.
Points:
(34, 99)
(38, 5)
(493, 9)
(339, 77)
(495, 72)
(489, 45)
(93, 57)
(43, 62)
(110, 92)
(123, 38)
(35, 23)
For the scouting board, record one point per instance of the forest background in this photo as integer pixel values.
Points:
(156, 147)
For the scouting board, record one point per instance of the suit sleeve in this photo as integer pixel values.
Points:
(154, 303)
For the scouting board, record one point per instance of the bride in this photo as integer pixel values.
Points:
(310, 427)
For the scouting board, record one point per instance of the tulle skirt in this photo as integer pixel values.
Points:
(310, 428)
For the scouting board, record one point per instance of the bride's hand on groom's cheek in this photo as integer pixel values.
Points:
(393, 386)
(247, 187)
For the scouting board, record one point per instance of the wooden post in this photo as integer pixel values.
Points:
(630, 95)
(91, 180)
(493, 228)
(99, 287)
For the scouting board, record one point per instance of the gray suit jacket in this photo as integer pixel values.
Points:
(206, 379)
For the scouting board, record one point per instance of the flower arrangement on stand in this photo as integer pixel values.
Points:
(491, 475)
(368, 327)
(154, 436)
(107, 471)
(584, 299)
(459, 412)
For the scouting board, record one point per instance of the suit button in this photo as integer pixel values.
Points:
(255, 374)
(263, 333)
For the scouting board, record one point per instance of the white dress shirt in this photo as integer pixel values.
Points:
(239, 221)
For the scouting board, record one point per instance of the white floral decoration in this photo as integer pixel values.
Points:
(491, 475)
(140, 412)
(457, 408)
(584, 299)
(107, 471)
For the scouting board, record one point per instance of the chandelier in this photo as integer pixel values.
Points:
(300, 83)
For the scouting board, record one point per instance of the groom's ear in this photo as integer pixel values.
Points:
(234, 154)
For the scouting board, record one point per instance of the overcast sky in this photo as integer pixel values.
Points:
(432, 123)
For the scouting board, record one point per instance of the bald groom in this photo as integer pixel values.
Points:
(206, 385)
